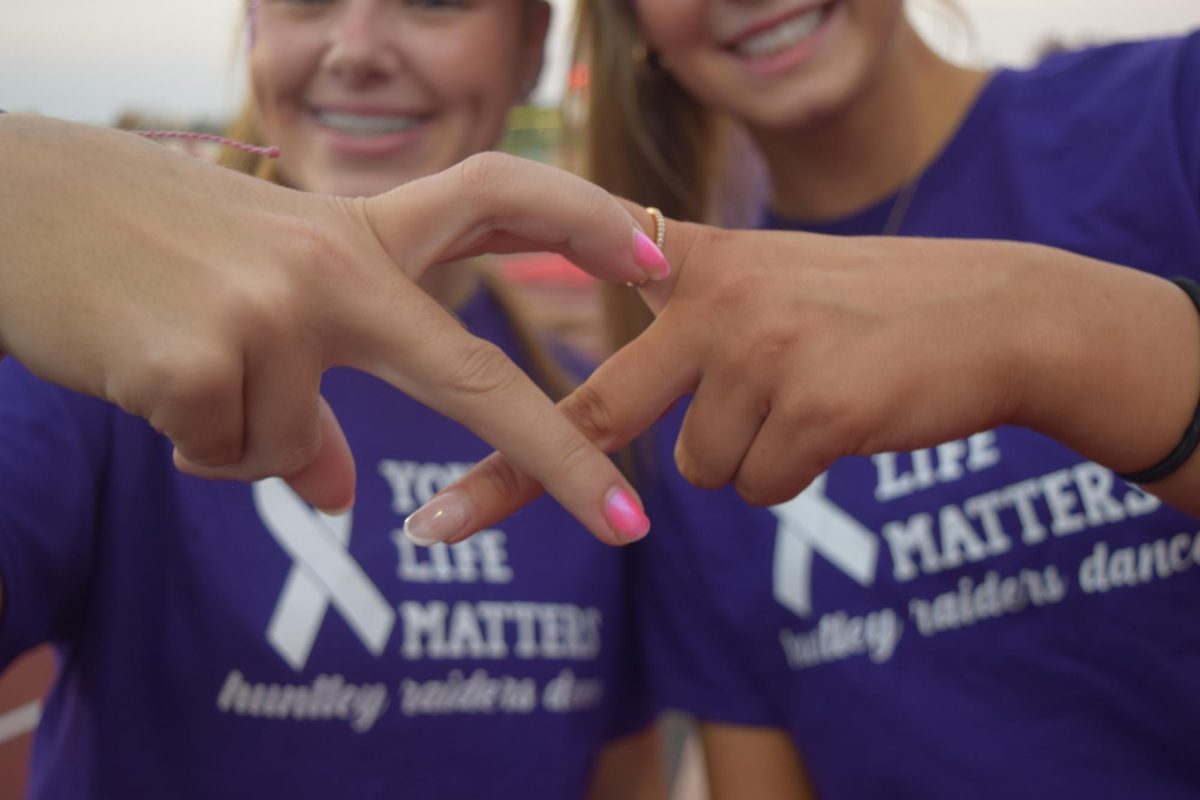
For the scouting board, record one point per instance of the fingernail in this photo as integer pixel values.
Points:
(337, 512)
(625, 516)
(347, 505)
(649, 257)
(438, 520)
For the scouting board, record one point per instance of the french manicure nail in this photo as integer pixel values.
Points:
(440, 519)
(649, 257)
(338, 512)
(625, 516)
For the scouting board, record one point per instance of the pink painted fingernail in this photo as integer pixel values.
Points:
(440, 519)
(625, 516)
(649, 257)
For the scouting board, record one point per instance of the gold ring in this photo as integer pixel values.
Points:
(660, 226)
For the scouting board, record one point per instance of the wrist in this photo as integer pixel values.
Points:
(1182, 453)
(1114, 360)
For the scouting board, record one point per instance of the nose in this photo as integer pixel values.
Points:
(362, 41)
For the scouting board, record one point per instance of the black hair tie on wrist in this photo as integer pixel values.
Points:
(1187, 445)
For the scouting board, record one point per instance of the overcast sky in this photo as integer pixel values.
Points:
(89, 59)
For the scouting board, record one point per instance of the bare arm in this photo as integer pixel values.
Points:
(761, 763)
(630, 768)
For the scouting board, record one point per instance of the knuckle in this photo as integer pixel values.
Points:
(762, 493)
(694, 473)
(135, 391)
(689, 468)
(291, 459)
(574, 457)
(596, 202)
(212, 452)
(321, 249)
(501, 478)
(149, 383)
(837, 418)
(268, 309)
(590, 413)
(179, 396)
(482, 173)
(760, 485)
(199, 383)
(775, 346)
(697, 466)
(481, 368)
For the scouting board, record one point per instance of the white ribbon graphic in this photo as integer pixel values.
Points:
(810, 522)
(323, 573)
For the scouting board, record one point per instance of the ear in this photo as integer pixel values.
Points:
(537, 28)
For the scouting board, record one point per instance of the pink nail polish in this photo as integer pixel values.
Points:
(649, 257)
(625, 516)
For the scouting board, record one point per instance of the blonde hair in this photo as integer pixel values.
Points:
(646, 138)
(543, 367)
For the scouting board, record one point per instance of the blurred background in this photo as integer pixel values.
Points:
(163, 64)
(92, 62)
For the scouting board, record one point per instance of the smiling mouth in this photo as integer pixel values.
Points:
(781, 36)
(367, 124)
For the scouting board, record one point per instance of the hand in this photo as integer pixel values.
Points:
(210, 303)
(801, 349)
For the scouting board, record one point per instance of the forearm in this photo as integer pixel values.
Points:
(630, 768)
(743, 761)
(1113, 365)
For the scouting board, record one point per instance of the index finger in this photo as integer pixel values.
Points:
(623, 398)
(434, 359)
(493, 203)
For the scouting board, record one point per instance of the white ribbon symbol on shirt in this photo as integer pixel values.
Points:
(811, 522)
(323, 573)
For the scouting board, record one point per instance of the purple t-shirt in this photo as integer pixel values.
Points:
(218, 639)
(993, 617)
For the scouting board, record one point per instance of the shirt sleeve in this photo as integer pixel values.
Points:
(1187, 110)
(52, 446)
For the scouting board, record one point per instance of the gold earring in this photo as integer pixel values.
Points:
(645, 60)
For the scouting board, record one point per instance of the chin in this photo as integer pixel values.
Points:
(809, 107)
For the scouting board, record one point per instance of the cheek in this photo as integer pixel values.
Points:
(484, 84)
(877, 20)
(261, 82)
(672, 27)
(678, 31)
(280, 69)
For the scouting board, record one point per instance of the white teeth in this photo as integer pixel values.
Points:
(782, 36)
(360, 125)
